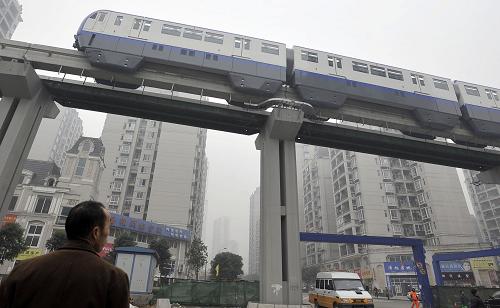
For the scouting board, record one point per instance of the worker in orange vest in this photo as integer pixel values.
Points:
(415, 303)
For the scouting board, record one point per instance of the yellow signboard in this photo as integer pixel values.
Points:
(29, 253)
(483, 263)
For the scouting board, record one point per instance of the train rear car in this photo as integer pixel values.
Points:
(327, 80)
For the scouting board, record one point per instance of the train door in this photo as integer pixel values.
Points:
(241, 47)
(100, 21)
(140, 27)
(419, 83)
(335, 65)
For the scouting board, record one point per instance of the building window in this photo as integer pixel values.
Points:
(389, 187)
(12, 204)
(61, 219)
(43, 204)
(139, 195)
(418, 184)
(421, 199)
(81, 166)
(114, 199)
(34, 233)
(142, 182)
(149, 146)
(137, 208)
(309, 56)
(145, 169)
(146, 157)
(394, 214)
(151, 134)
(391, 199)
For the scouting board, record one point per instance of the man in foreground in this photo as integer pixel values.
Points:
(74, 275)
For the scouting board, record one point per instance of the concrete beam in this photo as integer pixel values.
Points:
(18, 80)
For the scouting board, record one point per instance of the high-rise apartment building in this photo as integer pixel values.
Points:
(220, 239)
(254, 234)
(380, 196)
(485, 199)
(155, 171)
(10, 17)
(56, 136)
(318, 210)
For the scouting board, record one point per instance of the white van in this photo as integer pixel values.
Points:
(340, 289)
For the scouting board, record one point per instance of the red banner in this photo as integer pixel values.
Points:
(9, 218)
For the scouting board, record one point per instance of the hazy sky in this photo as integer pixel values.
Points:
(454, 39)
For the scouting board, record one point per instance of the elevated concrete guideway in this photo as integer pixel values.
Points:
(164, 107)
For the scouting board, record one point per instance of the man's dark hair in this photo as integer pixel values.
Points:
(83, 218)
(473, 291)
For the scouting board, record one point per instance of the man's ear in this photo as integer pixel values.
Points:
(95, 232)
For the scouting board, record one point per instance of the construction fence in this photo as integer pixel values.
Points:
(210, 293)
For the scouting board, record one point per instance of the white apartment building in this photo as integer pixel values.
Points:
(254, 234)
(56, 136)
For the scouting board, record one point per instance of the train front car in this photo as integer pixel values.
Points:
(124, 42)
(328, 80)
(480, 107)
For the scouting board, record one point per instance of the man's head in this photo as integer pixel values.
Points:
(413, 289)
(473, 291)
(90, 221)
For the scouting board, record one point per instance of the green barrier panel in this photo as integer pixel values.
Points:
(210, 293)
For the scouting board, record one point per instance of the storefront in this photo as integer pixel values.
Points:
(484, 270)
(457, 273)
(400, 277)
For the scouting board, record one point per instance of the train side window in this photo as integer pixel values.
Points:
(488, 93)
(246, 44)
(137, 24)
(339, 62)
(441, 84)
(322, 284)
(495, 95)
(421, 80)
(394, 74)
(193, 34)
(414, 78)
(147, 25)
(171, 30)
(377, 70)
(214, 38)
(270, 48)
(191, 53)
(330, 61)
(93, 16)
(309, 56)
(471, 90)
(118, 20)
(360, 67)
(101, 17)
(237, 42)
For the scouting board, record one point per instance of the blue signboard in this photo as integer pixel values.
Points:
(455, 266)
(400, 267)
(147, 227)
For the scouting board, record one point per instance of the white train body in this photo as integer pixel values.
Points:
(123, 41)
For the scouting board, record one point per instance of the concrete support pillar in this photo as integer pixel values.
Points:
(280, 272)
(24, 103)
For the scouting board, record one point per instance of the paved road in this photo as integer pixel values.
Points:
(379, 303)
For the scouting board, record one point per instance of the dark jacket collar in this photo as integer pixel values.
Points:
(78, 245)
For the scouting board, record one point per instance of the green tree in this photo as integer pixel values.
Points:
(309, 274)
(229, 264)
(161, 247)
(57, 240)
(124, 239)
(12, 242)
(197, 255)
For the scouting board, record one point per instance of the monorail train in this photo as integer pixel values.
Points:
(124, 42)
